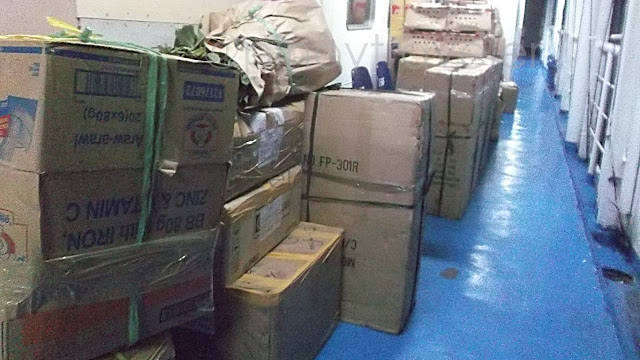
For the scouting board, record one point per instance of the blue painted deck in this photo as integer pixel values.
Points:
(528, 287)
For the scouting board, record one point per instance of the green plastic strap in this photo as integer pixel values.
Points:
(253, 13)
(134, 317)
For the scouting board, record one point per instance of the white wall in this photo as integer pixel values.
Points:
(358, 47)
(29, 16)
(512, 16)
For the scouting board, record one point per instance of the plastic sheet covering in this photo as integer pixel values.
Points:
(284, 46)
(27, 288)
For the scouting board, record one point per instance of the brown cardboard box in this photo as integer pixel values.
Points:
(286, 306)
(63, 214)
(445, 44)
(396, 21)
(509, 96)
(266, 143)
(82, 107)
(369, 158)
(257, 222)
(412, 71)
(423, 15)
(497, 121)
(381, 254)
(367, 146)
(466, 101)
(86, 306)
(157, 348)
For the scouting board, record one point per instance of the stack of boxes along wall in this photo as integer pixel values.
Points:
(86, 270)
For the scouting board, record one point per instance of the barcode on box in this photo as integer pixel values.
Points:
(99, 83)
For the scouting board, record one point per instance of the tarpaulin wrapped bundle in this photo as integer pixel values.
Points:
(283, 46)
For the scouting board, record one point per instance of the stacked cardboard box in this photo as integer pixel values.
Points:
(110, 201)
(466, 97)
(366, 165)
(266, 143)
(287, 305)
(445, 30)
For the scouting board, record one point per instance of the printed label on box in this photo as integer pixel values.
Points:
(17, 122)
(270, 144)
(13, 238)
(269, 218)
(199, 135)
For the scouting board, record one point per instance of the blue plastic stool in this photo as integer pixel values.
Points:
(383, 73)
(361, 78)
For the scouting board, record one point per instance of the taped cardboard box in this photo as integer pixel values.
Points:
(369, 155)
(63, 214)
(412, 71)
(257, 222)
(424, 15)
(445, 44)
(367, 146)
(266, 143)
(79, 106)
(288, 304)
(380, 262)
(84, 306)
(465, 95)
(509, 92)
(157, 348)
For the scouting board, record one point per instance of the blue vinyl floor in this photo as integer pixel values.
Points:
(529, 286)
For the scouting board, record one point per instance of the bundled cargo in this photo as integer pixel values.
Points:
(422, 15)
(157, 348)
(366, 165)
(466, 92)
(411, 72)
(266, 143)
(285, 47)
(445, 44)
(509, 92)
(113, 173)
(288, 304)
(258, 221)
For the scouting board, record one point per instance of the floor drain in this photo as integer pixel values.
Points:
(617, 276)
(450, 273)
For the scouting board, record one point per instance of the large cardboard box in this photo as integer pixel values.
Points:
(80, 107)
(56, 215)
(156, 348)
(466, 101)
(424, 15)
(380, 265)
(509, 92)
(368, 155)
(367, 146)
(257, 222)
(445, 44)
(266, 143)
(85, 306)
(288, 304)
(412, 71)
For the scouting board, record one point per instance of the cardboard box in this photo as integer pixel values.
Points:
(381, 254)
(367, 146)
(257, 222)
(423, 15)
(412, 71)
(157, 348)
(369, 156)
(445, 44)
(266, 143)
(48, 216)
(81, 307)
(497, 121)
(396, 21)
(466, 101)
(286, 306)
(509, 95)
(81, 107)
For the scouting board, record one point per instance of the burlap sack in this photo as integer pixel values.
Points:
(284, 46)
